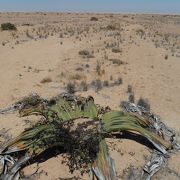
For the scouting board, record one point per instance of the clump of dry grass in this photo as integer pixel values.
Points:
(96, 84)
(111, 27)
(94, 19)
(140, 32)
(46, 80)
(116, 50)
(116, 61)
(144, 103)
(118, 81)
(70, 88)
(99, 69)
(129, 89)
(83, 86)
(131, 98)
(76, 77)
(106, 83)
(86, 54)
(166, 57)
(8, 26)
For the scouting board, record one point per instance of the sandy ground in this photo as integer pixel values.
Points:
(43, 56)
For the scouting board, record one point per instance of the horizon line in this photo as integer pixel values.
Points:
(95, 12)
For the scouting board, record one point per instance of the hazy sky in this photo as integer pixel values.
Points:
(144, 6)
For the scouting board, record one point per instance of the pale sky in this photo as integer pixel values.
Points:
(117, 6)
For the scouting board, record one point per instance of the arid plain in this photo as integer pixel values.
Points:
(109, 56)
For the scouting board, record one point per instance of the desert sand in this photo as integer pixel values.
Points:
(102, 57)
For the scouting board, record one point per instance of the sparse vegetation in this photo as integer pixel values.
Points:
(76, 76)
(8, 26)
(83, 86)
(111, 27)
(144, 103)
(166, 57)
(86, 54)
(116, 61)
(90, 54)
(131, 98)
(46, 80)
(70, 88)
(96, 84)
(94, 19)
(140, 32)
(118, 81)
(129, 89)
(116, 50)
(99, 69)
(106, 83)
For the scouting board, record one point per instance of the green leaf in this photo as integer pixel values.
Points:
(36, 140)
(115, 121)
(66, 111)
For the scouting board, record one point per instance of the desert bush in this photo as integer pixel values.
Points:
(76, 77)
(125, 16)
(118, 81)
(96, 84)
(111, 27)
(94, 19)
(144, 103)
(83, 86)
(116, 50)
(166, 57)
(131, 98)
(86, 53)
(117, 61)
(70, 88)
(61, 35)
(90, 56)
(129, 89)
(140, 32)
(8, 26)
(46, 80)
(87, 65)
(98, 68)
(106, 83)
(3, 43)
(79, 68)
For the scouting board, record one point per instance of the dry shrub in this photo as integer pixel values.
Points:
(46, 80)
(117, 61)
(111, 27)
(76, 77)
(83, 86)
(129, 89)
(70, 88)
(144, 103)
(8, 26)
(86, 54)
(94, 19)
(96, 84)
(116, 50)
(118, 81)
(106, 83)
